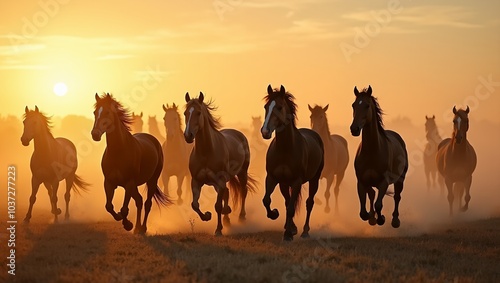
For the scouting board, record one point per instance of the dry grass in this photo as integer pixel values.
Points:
(103, 252)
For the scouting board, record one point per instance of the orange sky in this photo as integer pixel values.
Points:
(420, 57)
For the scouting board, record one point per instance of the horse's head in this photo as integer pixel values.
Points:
(460, 123)
(193, 117)
(279, 111)
(362, 110)
(33, 125)
(318, 117)
(430, 123)
(105, 114)
(171, 119)
(256, 122)
(137, 123)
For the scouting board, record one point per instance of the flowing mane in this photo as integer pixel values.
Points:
(207, 110)
(45, 119)
(289, 99)
(122, 112)
(378, 111)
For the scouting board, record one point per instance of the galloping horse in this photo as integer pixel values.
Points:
(175, 151)
(53, 160)
(128, 161)
(294, 157)
(218, 157)
(456, 159)
(137, 123)
(154, 129)
(336, 153)
(430, 151)
(381, 158)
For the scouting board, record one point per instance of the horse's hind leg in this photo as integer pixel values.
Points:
(226, 209)
(53, 199)
(398, 188)
(180, 180)
(336, 189)
(329, 182)
(285, 191)
(313, 188)
(290, 228)
(147, 207)
(67, 195)
(243, 179)
(270, 186)
(449, 186)
(35, 185)
(165, 179)
(467, 184)
(221, 191)
(134, 193)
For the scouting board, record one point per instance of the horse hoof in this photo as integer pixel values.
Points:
(66, 217)
(372, 221)
(294, 229)
(226, 210)
(273, 215)
(364, 215)
(305, 235)
(287, 237)
(327, 209)
(395, 223)
(242, 218)
(207, 216)
(118, 216)
(56, 211)
(464, 209)
(317, 201)
(381, 220)
(127, 225)
(218, 233)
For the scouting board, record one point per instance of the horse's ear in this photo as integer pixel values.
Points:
(36, 109)
(467, 110)
(369, 91)
(454, 110)
(97, 98)
(426, 118)
(187, 97)
(433, 117)
(107, 94)
(310, 108)
(282, 89)
(133, 114)
(141, 114)
(164, 108)
(201, 97)
(269, 89)
(356, 92)
(326, 107)
(175, 106)
(26, 110)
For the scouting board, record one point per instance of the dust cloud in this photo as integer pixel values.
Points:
(421, 210)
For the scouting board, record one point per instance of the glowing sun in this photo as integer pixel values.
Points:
(60, 89)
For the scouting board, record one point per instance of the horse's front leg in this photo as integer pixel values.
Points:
(285, 192)
(196, 190)
(127, 225)
(53, 200)
(290, 227)
(134, 193)
(382, 190)
(467, 184)
(362, 192)
(449, 186)
(109, 189)
(221, 191)
(270, 186)
(35, 185)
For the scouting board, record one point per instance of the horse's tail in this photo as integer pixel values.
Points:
(160, 198)
(80, 185)
(296, 205)
(236, 188)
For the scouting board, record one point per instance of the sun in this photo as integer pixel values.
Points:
(60, 89)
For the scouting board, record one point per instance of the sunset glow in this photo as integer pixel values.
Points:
(60, 89)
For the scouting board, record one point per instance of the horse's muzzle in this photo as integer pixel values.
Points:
(355, 130)
(266, 134)
(189, 137)
(25, 142)
(96, 135)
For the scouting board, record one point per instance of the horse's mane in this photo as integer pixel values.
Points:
(207, 109)
(378, 111)
(289, 100)
(45, 119)
(122, 112)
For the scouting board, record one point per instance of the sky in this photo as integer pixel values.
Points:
(420, 57)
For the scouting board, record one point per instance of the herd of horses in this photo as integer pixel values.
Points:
(205, 154)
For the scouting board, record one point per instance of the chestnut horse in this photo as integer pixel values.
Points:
(430, 151)
(218, 157)
(53, 160)
(294, 157)
(456, 158)
(128, 161)
(336, 153)
(381, 159)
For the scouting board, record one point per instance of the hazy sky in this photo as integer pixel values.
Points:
(420, 57)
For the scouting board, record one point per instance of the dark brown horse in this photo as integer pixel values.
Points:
(176, 152)
(336, 153)
(294, 157)
(430, 151)
(456, 159)
(218, 157)
(381, 158)
(53, 160)
(128, 161)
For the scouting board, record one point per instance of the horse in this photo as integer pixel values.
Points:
(154, 129)
(294, 157)
(137, 123)
(176, 151)
(336, 153)
(219, 156)
(456, 158)
(433, 140)
(128, 161)
(53, 160)
(381, 158)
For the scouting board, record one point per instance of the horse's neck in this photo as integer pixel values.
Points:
(119, 138)
(154, 129)
(324, 132)
(371, 138)
(433, 136)
(43, 143)
(285, 139)
(176, 137)
(205, 140)
(459, 148)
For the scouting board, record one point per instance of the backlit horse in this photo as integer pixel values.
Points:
(137, 123)
(128, 161)
(154, 129)
(218, 157)
(381, 158)
(176, 151)
(294, 157)
(336, 153)
(456, 158)
(53, 160)
(430, 151)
